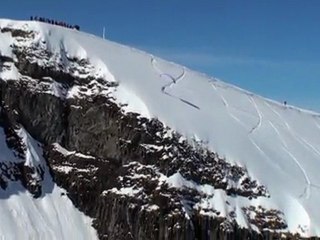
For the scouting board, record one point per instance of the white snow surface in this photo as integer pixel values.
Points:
(278, 145)
(51, 216)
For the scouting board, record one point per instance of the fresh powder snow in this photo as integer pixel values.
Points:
(51, 216)
(278, 145)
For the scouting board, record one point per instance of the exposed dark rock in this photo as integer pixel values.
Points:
(17, 32)
(40, 113)
(112, 163)
(5, 59)
(29, 176)
(264, 218)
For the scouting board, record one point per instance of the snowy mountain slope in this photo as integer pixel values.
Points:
(278, 145)
(51, 216)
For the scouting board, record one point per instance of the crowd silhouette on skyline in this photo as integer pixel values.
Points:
(55, 22)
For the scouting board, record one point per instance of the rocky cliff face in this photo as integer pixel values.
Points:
(135, 177)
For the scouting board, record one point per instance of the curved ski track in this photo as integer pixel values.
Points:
(304, 143)
(226, 104)
(309, 146)
(254, 143)
(317, 124)
(173, 80)
(258, 125)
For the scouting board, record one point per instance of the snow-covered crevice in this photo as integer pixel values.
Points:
(33, 157)
(68, 168)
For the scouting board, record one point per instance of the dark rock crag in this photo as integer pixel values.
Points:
(113, 163)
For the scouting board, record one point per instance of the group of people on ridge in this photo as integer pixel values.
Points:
(54, 22)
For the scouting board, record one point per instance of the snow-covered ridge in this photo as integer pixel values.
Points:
(51, 216)
(278, 145)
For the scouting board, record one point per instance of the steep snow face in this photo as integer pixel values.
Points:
(278, 145)
(51, 216)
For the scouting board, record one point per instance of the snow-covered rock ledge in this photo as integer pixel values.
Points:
(150, 149)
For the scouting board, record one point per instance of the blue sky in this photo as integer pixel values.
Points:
(270, 47)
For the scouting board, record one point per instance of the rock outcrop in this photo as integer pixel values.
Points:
(117, 166)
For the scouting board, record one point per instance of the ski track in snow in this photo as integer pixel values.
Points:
(317, 124)
(313, 148)
(225, 103)
(153, 60)
(173, 80)
(314, 185)
(304, 143)
(258, 125)
(306, 191)
(299, 139)
(254, 143)
(278, 133)
(263, 153)
(289, 154)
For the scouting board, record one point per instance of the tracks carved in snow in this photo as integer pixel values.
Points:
(306, 191)
(317, 124)
(299, 139)
(304, 143)
(258, 125)
(254, 143)
(172, 80)
(309, 184)
(226, 104)
(278, 133)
